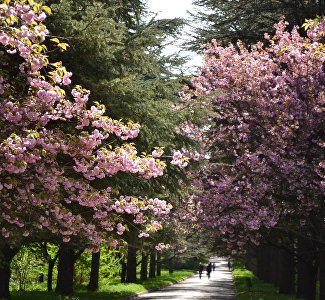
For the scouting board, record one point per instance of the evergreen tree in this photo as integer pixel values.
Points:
(118, 55)
(247, 20)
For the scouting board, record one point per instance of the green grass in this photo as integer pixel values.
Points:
(259, 291)
(108, 290)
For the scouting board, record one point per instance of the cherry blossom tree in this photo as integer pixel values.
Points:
(266, 153)
(264, 181)
(55, 145)
(52, 146)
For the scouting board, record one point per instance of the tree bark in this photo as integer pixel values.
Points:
(152, 269)
(274, 265)
(322, 273)
(286, 272)
(64, 284)
(171, 265)
(131, 272)
(158, 264)
(123, 272)
(51, 264)
(6, 255)
(263, 262)
(144, 267)
(94, 272)
(307, 269)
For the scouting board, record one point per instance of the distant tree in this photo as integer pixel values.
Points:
(248, 20)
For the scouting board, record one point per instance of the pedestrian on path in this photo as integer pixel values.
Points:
(209, 269)
(220, 288)
(213, 266)
(229, 265)
(200, 270)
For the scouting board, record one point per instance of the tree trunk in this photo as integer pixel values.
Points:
(144, 267)
(158, 264)
(51, 264)
(307, 270)
(171, 265)
(286, 272)
(94, 272)
(64, 284)
(131, 272)
(123, 272)
(322, 273)
(263, 261)
(274, 266)
(152, 269)
(6, 256)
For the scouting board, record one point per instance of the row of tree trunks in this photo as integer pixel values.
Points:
(277, 266)
(67, 258)
(293, 268)
(131, 265)
(154, 266)
(64, 285)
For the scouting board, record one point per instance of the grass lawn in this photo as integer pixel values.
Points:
(259, 291)
(111, 290)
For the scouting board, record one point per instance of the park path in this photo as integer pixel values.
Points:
(220, 286)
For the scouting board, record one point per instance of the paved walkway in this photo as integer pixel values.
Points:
(219, 287)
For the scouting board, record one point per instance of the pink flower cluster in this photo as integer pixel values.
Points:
(162, 247)
(179, 159)
(52, 146)
(267, 157)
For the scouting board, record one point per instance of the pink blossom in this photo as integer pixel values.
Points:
(113, 243)
(157, 153)
(39, 187)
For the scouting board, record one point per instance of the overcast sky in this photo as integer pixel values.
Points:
(175, 9)
(170, 8)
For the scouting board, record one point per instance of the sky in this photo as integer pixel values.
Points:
(170, 8)
(175, 9)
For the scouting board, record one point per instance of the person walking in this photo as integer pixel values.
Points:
(209, 269)
(200, 270)
(229, 265)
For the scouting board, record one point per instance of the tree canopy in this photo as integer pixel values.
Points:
(55, 143)
(267, 166)
(248, 20)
